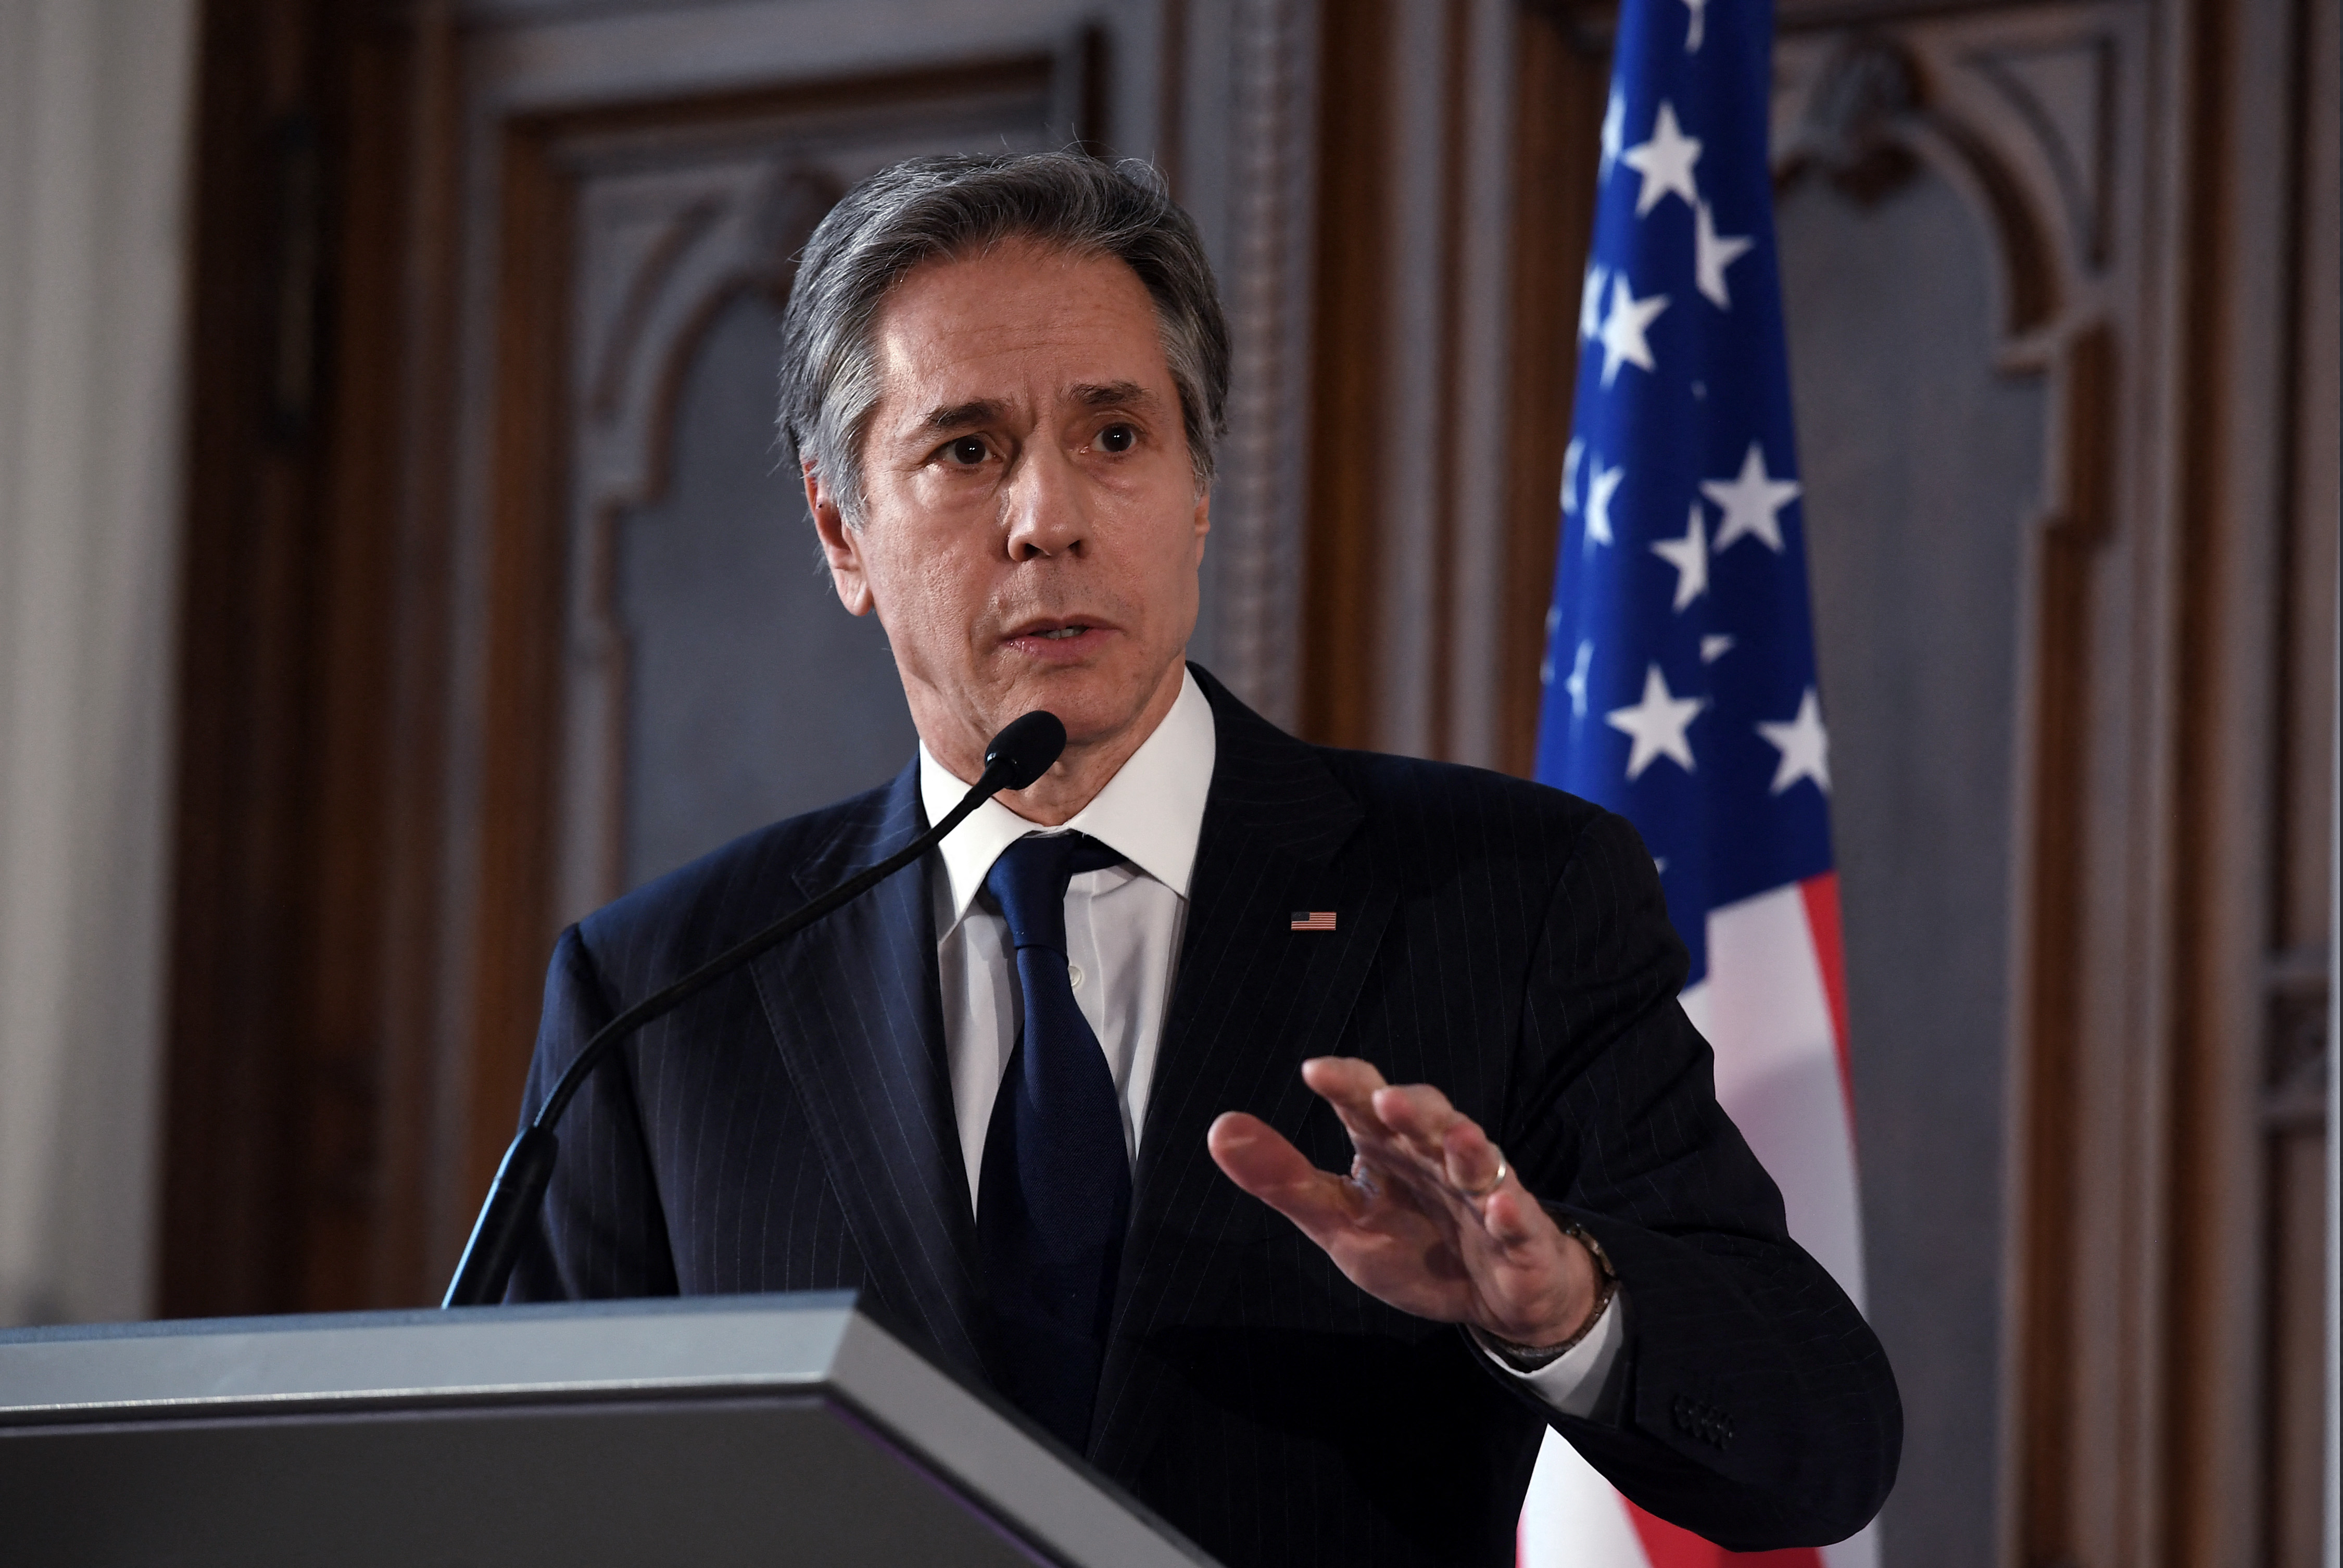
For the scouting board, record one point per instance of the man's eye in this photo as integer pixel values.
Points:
(968, 450)
(1116, 438)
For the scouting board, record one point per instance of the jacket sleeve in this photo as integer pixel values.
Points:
(601, 1232)
(1758, 1408)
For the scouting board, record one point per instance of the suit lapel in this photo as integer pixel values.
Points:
(854, 1006)
(1251, 1001)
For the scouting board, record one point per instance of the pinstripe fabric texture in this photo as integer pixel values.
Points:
(791, 1129)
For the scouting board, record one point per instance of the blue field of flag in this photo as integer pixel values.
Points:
(1680, 670)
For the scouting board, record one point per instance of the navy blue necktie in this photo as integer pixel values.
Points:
(1054, 1194)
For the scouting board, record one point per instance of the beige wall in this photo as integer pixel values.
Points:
(93, 101)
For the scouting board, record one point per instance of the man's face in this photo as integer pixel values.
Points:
(1031, 528)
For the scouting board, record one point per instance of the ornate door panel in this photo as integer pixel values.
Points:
(2033, 257)
(1948, 210)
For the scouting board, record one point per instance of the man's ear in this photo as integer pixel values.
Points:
(1203, 520)
(840, 546)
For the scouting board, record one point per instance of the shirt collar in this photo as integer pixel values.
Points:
(1152, 812)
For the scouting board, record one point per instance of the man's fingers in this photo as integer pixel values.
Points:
(1407, 1132)
(1353, 1073)
(1415, 1108)
(1512, 1217)
(1410, 1135)
(1375, 1113)
(1349, 1085)
(1417, 1113)
(1434, 1221)
(1257, 1158)
(1453, 1151)
(1347, 1082)
(1472, 1163)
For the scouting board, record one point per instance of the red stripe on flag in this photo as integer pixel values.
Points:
(1821, 894)
(1669, 1545)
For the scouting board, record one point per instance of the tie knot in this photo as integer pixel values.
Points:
(1029, 882)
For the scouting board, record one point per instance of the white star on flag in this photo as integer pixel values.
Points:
(1712, 647)
(1657, 725)
(1623, 329)
(1614, 131)
(1751, 500)
(1590, 303)
(1665, 163)
(1576, 684)
(1713, 252)
(1570, 457)
(1601, 485)
(1803, 744)
(1689, 555)
(1699, 25)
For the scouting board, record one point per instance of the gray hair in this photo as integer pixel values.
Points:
(928, 208)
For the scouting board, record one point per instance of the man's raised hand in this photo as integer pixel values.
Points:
(1428, 1218)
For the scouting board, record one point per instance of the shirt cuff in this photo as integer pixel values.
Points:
(1575, 1382)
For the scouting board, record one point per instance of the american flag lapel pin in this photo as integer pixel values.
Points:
(1313, 921)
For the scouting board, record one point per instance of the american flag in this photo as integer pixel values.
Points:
(1680, 666)
(1313, 921)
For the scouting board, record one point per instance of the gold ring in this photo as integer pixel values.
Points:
(1495, 1181)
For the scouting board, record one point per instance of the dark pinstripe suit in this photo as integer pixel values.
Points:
(792, 1128)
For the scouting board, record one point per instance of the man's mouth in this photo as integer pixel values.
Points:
(1053, 628)
(1054, 639)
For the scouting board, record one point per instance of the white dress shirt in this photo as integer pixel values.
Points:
(1124, 927)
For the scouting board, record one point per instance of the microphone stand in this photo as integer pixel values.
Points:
(1017, 756)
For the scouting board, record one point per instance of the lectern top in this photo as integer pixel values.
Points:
(567, 1348)
(772, 1429)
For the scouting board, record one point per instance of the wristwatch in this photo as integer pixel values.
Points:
(1530, 1358)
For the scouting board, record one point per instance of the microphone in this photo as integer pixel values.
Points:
(1018, 755)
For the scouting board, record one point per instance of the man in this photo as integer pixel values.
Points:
(1039, 1100)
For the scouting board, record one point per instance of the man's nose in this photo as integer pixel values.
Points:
(1048, 505)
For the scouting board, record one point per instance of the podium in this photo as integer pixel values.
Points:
(715, 1431)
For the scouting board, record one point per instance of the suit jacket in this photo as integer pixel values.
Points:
(791, 1129)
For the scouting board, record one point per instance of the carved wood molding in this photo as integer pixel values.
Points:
(2017, 108)
(2012, 110)
(1256, 557)
(659, 252)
